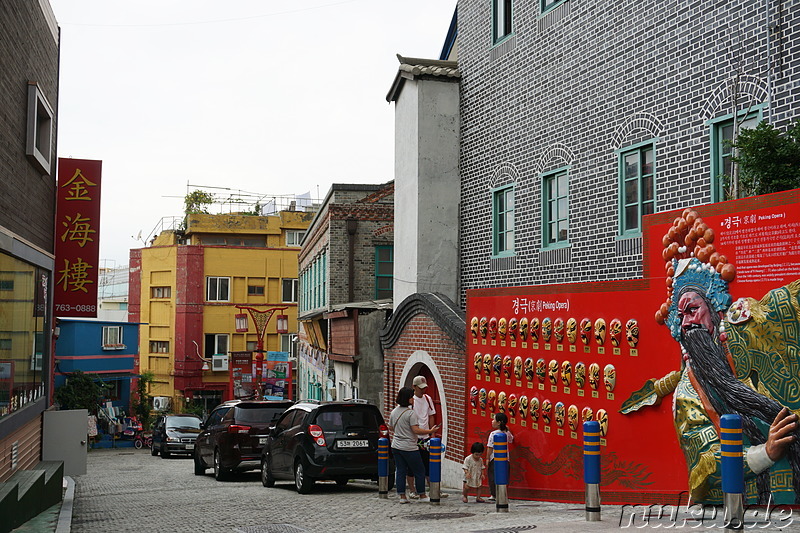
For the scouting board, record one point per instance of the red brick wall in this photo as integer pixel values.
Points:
(422, 333)
(135, 286)
(344, 335)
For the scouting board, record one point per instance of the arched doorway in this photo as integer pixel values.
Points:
(421, 369)
(420, 363)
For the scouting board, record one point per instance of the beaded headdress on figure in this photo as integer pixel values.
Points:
(693, 264)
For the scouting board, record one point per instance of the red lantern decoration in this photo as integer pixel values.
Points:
(241, 323)
(283, 324)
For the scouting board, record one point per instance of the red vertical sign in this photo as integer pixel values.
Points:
(77, 237)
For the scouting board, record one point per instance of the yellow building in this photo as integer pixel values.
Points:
(185, 288)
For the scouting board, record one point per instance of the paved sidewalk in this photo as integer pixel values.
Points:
(128, 490)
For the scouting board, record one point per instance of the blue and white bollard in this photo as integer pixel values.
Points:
(732, 471)
(435, 470)
(591, 469)
(501, 472)
(383, 468)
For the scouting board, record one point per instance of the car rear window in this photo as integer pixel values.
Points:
(334, 420)
(257, 414)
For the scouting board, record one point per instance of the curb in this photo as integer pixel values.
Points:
(65, 516)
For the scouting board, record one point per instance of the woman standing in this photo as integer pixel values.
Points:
(405, 425)
(499, 421)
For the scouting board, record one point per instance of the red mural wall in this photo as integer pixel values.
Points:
(558, 354)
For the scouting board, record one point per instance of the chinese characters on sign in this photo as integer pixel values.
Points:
(77, 237)
(525, 305)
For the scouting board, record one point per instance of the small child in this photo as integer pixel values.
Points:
(474, 473)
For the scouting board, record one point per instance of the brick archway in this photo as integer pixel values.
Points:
(426, 335)
(420, 363)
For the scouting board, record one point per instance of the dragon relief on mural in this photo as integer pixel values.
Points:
(569, 462)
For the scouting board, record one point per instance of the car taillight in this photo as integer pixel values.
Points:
(236, 428)
(384, 430)
(317, 434)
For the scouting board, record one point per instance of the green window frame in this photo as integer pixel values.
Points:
(502, 20)
(721, 133)
(384, 272)
(555, 208)
(637, 185)
(503, 221)
(313, 284)
(547, 5)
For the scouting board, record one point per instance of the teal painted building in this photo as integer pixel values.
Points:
(104, 349)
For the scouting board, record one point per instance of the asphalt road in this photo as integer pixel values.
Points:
(128, 490)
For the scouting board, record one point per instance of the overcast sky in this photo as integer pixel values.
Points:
(259, 96)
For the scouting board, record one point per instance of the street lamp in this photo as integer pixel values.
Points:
(205, 361)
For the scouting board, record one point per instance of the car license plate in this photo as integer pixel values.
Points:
(190, 446)
(353, 444)
(262, 441)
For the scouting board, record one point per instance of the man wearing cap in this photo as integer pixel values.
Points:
(422, 404)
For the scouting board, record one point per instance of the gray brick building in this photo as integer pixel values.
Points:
(574, 120)
(29, 64)
(577, 117)
(346, 281)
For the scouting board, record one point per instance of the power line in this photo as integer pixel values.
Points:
(216, 21)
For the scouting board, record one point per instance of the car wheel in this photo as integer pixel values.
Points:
(153, 450)
(302, 481)
(342, 481)
(220, 473)
(165, 454)
(266, 474)
(199, 467)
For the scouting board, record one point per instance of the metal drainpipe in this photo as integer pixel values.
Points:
(352, 225)
(769, 59)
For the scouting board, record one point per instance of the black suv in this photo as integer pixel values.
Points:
(331, 440)
(175, 434)
(234, 434)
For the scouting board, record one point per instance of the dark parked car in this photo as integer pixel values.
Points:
(330, 440)
(234, 434)
(175, 434)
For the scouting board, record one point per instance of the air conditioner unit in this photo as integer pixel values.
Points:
(161, 403)
(219, 362)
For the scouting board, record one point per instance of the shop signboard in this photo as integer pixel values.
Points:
(271, 377)
(277, 376)
(77, 245)
(242, 374)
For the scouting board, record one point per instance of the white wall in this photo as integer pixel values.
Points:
(427, 189)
